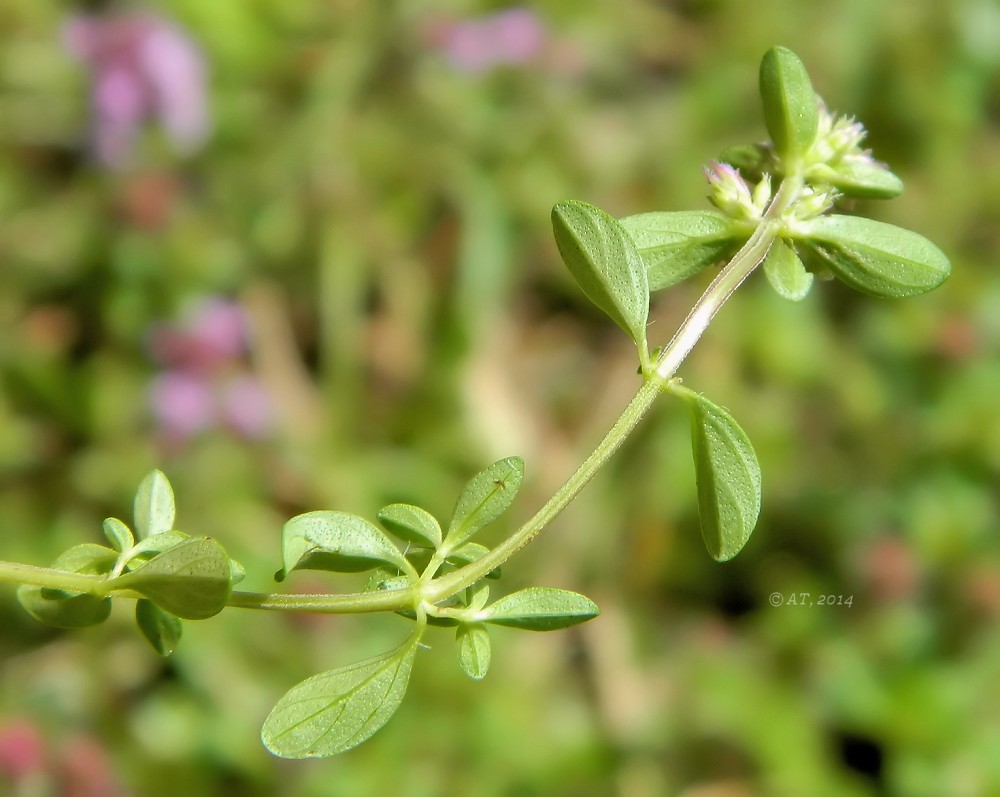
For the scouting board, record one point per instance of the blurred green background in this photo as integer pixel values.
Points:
(367, 192)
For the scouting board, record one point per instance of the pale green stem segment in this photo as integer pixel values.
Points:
(729, 279)
(433, 590)
(49, 578)
(350, 603)
(750, 255)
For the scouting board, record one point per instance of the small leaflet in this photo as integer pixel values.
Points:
(336, 541)
(872, 256)
(540, 609)
(474, 651)
(487, 496)
(154, 506)
(727, 475)
(191, 580)
(601, 256)
(786, 273)
(336, 710)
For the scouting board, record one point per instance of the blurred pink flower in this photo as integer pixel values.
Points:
(206, 381)
(212, 334)
(32, 764)
(86, 770)
(182, 403)
(142, 67)
(22, 749)
(511, 37)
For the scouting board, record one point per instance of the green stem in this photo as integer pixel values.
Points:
(435, 590)
(451, 583)
(690, 330)
(94, 584)
(348, 603)
(47, 577)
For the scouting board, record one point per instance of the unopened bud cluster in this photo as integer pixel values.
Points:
(730, 192)
(837, 149)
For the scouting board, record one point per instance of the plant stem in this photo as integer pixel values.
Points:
(433, 590)
(47, 577)
(348, 603)
(750, 255)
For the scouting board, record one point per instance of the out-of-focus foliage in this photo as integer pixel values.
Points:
(369, 199)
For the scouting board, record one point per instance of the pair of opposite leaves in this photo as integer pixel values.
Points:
(617, 264)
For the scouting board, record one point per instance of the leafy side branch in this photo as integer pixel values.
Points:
(774, 209)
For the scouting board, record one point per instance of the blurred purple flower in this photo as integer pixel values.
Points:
(205, 382)
(143, 67)
(182, 403)
(22, 749)
(213, 334)
(32, 764)
(507, 38)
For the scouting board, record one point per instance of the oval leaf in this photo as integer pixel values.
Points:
(146, 549)
(865, 179)
(675, 246)
(487, 496)
(154, 506)
(473, 649)
(872, 256)
(469, 553)
(64, 610)
(337, 710)
(337, 541)
(540, 609)
(191, 580)
(750, 159)
(786, 273)
(118, 534)
(791, 109)
(605, 263)
(727, 475)
(70, 609)
(411, 524)
(161, 629)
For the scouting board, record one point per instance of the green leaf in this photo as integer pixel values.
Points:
(118, 534)
(191, 580)
(750, 159)
(605, 263)
(411, 524)
(540, 609)
(791, 109)
(487, 496)
(473, 649)
(865, 180)
(161, 629)
(675, 246)
(338, 541)
(71, 609)
(64, 611)
(727, 475)
(872, 256)
(786, 273)
(154, 506)
(146, 549)
(476, 595)
(337, 710)
(469, 553)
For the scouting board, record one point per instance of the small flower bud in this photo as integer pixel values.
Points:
(837, 159)
(731, 194)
